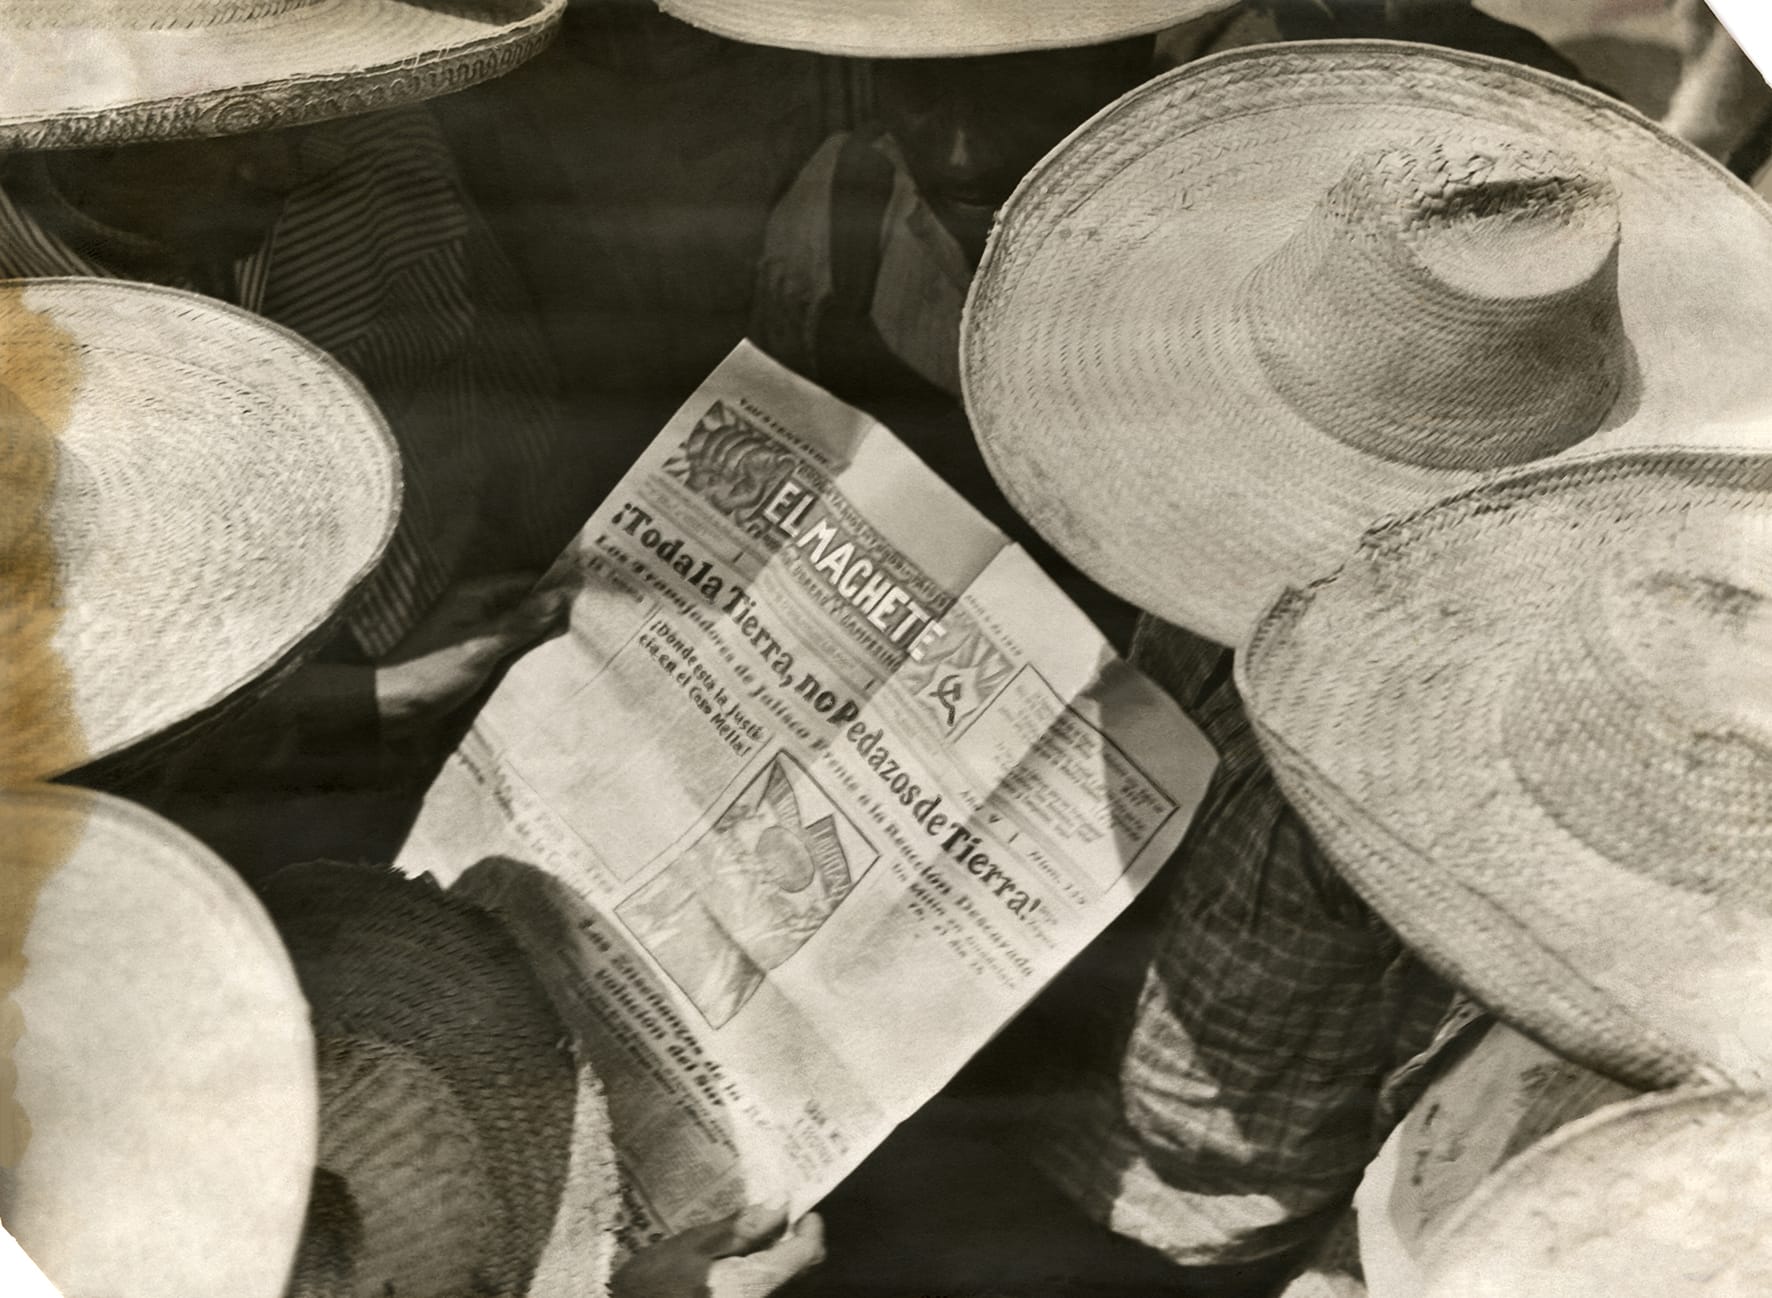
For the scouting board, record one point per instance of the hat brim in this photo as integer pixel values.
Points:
(1116, 398)
(68, 87)
(164, 1059)
(222, 486)
(1666, 1194)
(428, 982)
(1383, 697)
(934, 28)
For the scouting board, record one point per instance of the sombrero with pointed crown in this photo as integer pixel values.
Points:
(100, 72)
(159, 1107)
(1532, 725)
(1263, 301)
(188, 496)
(1667, 1196)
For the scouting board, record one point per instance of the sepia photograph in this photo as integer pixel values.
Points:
(885, 649)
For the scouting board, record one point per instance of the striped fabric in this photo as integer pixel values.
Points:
(1275, 1038)
(377, 257)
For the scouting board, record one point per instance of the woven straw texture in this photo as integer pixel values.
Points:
(87, 72)
(1530, 725)
(1501, 1097)
(220, 488)
(474, 1148)
(165, 1066)
(871, 29)
(332, 1236)
(1270, 298)
(393, 1132)
(1663, 1197)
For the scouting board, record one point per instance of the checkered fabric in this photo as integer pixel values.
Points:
(1278, 1034)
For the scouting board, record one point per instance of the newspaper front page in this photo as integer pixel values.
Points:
(824, 782)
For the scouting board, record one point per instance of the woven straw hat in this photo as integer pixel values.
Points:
(1530, 724)
(190, 494)
(159, 1111)
(1502, 1095)
(884, 29)
(474, 1152)
(332, 1236)
(1272, 297)
(1668, 1196)
(90, 72)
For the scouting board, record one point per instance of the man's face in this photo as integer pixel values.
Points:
(970, 129)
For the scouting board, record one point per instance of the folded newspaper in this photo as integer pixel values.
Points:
(824, 782)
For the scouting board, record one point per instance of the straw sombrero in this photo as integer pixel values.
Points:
(880, 29)
(1498, 1098)
(1532, 725)
(187, 496)
(1668, 1196)
(469, 1147)
(1261, 302)
(91, 72)
(158, 1115)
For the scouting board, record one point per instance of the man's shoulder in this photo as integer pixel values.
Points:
(409, 138)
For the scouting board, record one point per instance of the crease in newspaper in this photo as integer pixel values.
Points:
(824, 782)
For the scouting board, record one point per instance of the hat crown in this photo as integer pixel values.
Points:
(1456, 310)
(412, 1166)
(145, 14)
(1643, 726)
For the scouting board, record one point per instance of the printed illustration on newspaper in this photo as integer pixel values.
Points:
(824, 782)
